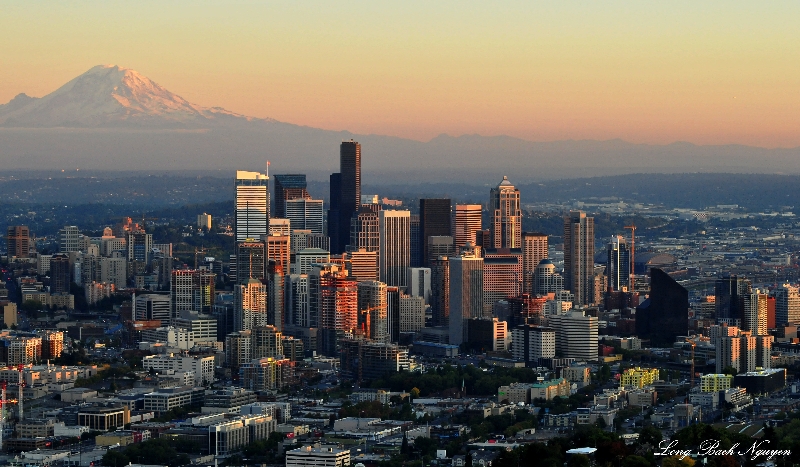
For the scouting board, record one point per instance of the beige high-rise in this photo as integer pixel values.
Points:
(534, 250)
(506, 215)
(466, 222)
(579, 256)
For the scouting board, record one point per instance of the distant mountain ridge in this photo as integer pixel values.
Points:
(113, 118)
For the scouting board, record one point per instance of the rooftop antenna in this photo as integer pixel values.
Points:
(267, 169)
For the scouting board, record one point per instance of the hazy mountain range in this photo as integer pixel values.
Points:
(113, 118)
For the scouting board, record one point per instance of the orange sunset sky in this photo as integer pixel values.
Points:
(646, 72)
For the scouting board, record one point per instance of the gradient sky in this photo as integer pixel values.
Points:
(650, 72)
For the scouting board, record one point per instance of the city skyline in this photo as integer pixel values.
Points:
(656, 74)
(566, 268)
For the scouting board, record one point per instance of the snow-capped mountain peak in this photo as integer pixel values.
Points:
(111, 96)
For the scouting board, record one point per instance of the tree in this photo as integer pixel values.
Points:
(729, 370)
(426, 446)
(115, 459)
(414, 393)
(675, 461)
(578, 460)
(604, 373)
(650, 435)
(635, 461)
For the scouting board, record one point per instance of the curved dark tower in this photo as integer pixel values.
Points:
(346, 196)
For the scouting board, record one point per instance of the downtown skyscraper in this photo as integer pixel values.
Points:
(434, 217)
(534, 250)
(466, 223)
(466, 293)
(618, 263)
(394, 254)
(251, 205)
(345, 195)
(579, 256)
(289, 187)
(506, 215)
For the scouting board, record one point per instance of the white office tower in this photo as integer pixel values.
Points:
(373, 317)
(297, 301)
(576, 335)
(418, 283)
(530, 343)
(546, 279)
(305, 214)
(466, 222)
(412, 313)
(249, 305)
(69, 239)
(466, 293)
(394, 255)
(787, 305)
(251, 219)
(755, 313)
(304, 259)
(150, 307)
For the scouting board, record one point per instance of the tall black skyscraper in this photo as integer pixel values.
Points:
(291, 186)
(665, 314)
(729, 299)
(434, 220)
(345, 195)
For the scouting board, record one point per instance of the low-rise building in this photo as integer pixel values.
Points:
(737, 398)
(227, 400)
(683, 415)
(582, 375)
(122, 437)
(230, 435)
(715, 382)
(319, 456)
(202, 366)
(549, 389)
(638, 377)
(36, 428)
(515, 393)
(645, 397)
(762, 381)
(166, 399)
(705, 400)
(104, 418)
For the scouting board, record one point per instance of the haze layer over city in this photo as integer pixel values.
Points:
(399, 234)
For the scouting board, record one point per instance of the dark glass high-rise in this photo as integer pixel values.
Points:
(288, 187)
(665, 314)
(434, 220)
(346, 196)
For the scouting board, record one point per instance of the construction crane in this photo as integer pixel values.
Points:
(143, 219)
(4, 401)
(21, 394)
(632, 281)
(197, 251)
(691, 375)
